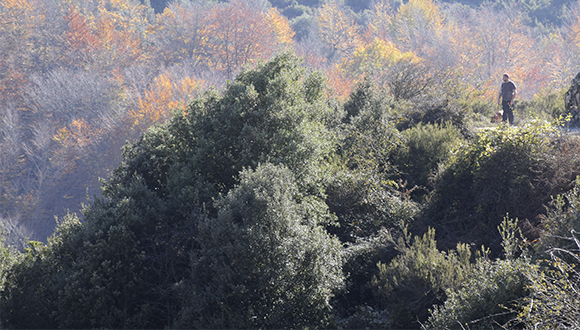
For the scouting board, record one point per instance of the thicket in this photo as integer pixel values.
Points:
(271, 205)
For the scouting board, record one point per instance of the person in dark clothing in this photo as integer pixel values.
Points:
(507, 96)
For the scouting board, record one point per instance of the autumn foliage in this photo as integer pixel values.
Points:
(79, 78)
(268, 164)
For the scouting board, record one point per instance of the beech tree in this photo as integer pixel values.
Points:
(182, 34)
(338, 30)
(239, 34)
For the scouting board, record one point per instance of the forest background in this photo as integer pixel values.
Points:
(78, 79)
(383, 131)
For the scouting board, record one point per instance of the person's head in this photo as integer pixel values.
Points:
(506, 77)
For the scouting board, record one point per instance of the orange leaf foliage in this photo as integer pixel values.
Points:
(78, 134)
(239, 35)
(340, 84)
(161, 98)
(79, 36)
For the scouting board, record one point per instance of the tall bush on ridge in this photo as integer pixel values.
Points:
(125, 266)
(364, 195)
(503, 170)
(425, 148)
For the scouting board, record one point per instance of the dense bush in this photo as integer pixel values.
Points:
(418, 278)
(265, 261)
(492, 293)
(561, 219)
(487, 298)
(554, 302)
(511, 170)
(425, 148)
(547, 105)
(363, 193)
(127, 264)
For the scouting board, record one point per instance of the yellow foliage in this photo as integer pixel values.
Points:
(23, 5)
(418, 25)
(125, 15)
(420, 14)
(78, 134)
(378, 56)
(281, 26)
(338, 29)
(381, 19)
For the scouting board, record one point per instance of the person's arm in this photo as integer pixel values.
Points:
(514, 96)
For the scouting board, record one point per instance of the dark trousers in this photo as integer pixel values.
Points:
(508, 111)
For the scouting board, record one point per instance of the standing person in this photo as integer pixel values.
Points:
(507, 95)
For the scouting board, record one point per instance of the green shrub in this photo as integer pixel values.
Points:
(265, 262)
(418, 278)
(487, 299)
(561, 218)
(364, 203)
(432, 109)
(426, 146)
(504, 170)
(364, 195)
(554, 302)
(544, 105)
(493, 292)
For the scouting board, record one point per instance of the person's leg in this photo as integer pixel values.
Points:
(508, 112)
(506, 109)
(511, 114)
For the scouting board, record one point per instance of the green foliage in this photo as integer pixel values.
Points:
(363, 193)
(419, 277)
(426, 146)
(365, 203)
(357, 306)
(491, 293)
(510, 234)
(507, 169)
(561, 219)
(434, 110)
(28, 292)
(275, 113)
(554, 302)
(265, 261)
(547, 105)
(296, 10)
(302, 25)
(370, 138)
(7, 258)
(488, 299)
(540, 14)
(126, 266)
(107, 272)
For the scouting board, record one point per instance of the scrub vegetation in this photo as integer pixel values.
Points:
(335, 167)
